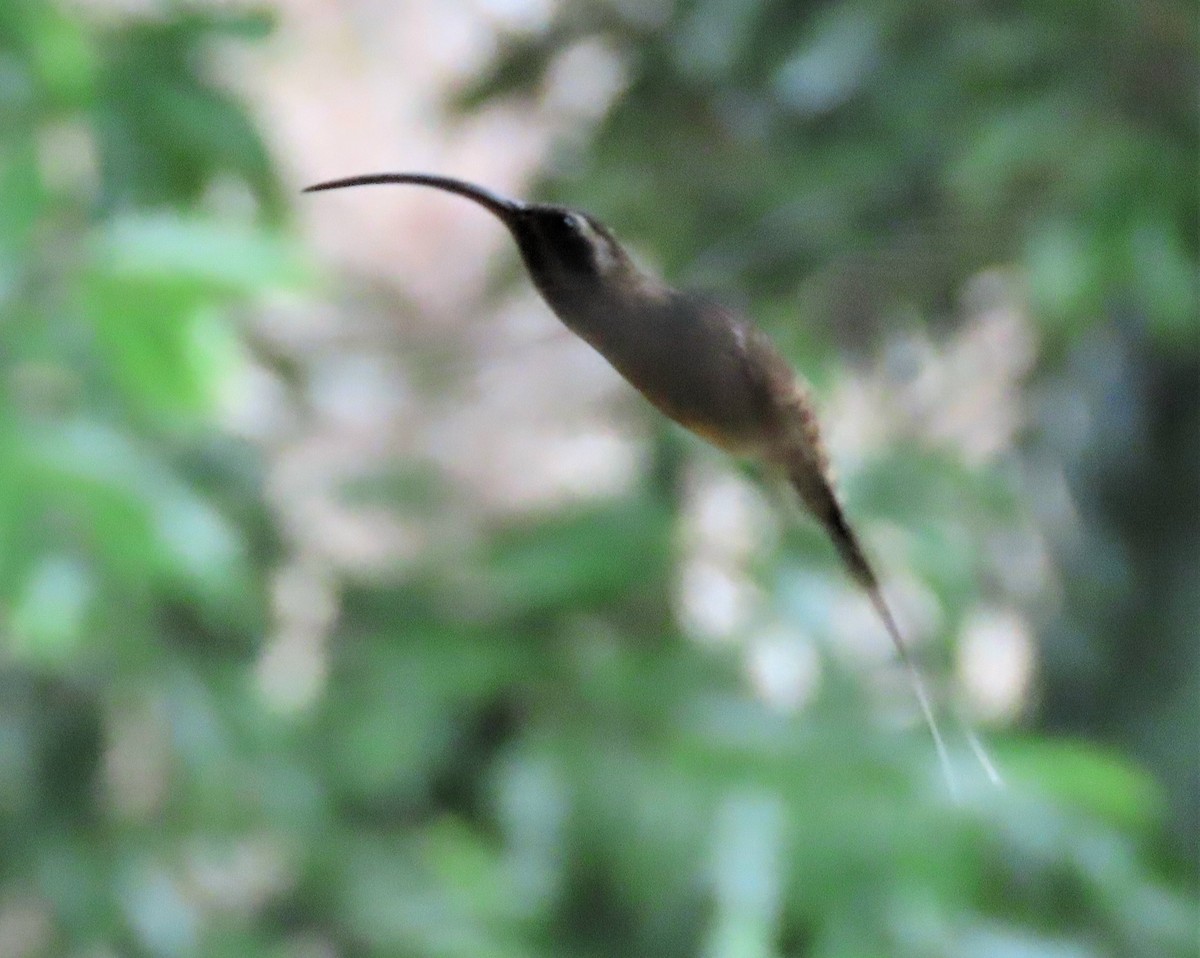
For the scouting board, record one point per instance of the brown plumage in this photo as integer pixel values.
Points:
(700, 364)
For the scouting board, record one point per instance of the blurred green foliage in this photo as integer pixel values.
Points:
(517, 753)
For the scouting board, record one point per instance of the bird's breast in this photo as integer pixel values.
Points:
(689, 363)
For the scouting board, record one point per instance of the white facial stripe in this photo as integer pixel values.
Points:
(605, 260)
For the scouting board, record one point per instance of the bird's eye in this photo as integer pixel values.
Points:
(573, 222)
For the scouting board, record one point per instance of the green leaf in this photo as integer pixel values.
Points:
(1066, 276)
(578, 560)
(1167, 279)
(1099, 783)
(47, 622)
(217, 256)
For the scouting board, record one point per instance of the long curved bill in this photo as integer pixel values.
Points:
(503, 207)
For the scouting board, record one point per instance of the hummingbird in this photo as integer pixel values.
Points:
(704, 366)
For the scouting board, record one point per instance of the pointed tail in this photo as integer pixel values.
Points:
(817, 494)
(852, 554)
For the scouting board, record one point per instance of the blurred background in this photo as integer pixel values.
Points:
(349, 606)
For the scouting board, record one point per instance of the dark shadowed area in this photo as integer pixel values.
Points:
(349, 606)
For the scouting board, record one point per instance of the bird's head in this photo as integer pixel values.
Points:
(573, 260)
